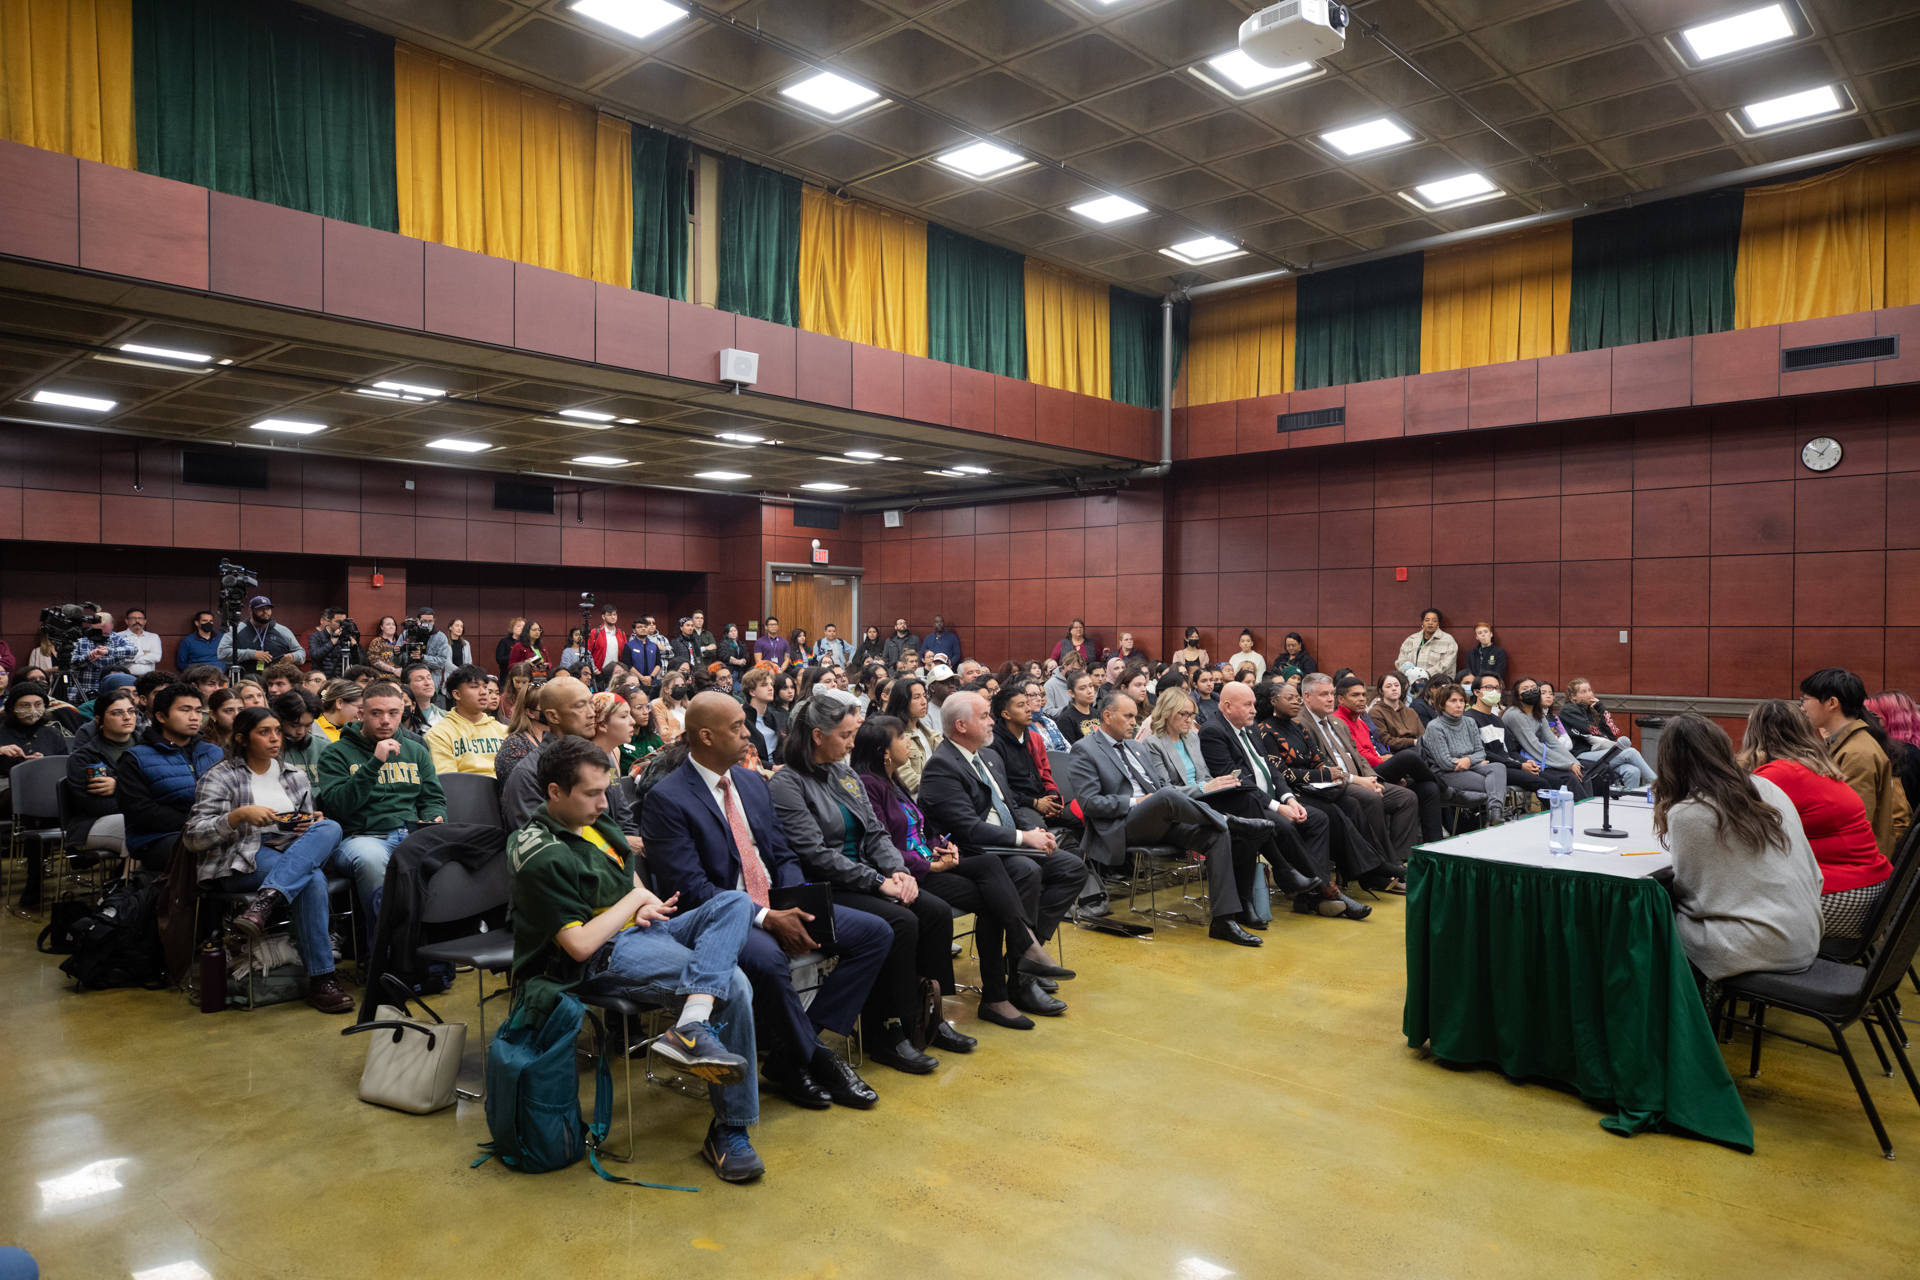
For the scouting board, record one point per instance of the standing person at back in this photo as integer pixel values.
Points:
(378, 785)
(1834, 700)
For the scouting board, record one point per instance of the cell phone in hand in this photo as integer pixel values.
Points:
(96, 771)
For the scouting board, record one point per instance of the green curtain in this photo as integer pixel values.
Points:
(267, 100)
(1662, 270)
(1134, 334)
(759, 243)
(1359, 323)
(660, 185)
(976, 303)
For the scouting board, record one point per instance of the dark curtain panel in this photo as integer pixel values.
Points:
(976, 303)
(1663, 270)
(759, 243)
(267, 100)
(1134, 333)
(1359, 323)
(660, 186)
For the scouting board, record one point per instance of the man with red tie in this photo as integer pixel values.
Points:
(605, 643)
(709, 826)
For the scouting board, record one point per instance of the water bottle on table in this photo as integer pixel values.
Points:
(1559, 820)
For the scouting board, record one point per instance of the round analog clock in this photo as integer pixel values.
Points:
(1822, 454)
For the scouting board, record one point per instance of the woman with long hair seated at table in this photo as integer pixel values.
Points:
(1781, 746)
(1746, 885)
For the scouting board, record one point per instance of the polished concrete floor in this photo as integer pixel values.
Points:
(1202, 1110)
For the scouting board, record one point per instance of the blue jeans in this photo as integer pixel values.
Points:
(1633, 767)
(696, 953)
(295, 874)
(364, 857)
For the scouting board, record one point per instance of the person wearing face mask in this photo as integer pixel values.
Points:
(94, 820)
(25, 731)
(1485, 713)
(1529, 725)
(199, 647)
(670, 708)
(1191, 652)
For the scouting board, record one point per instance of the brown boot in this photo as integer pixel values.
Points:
(325, 993)
(252, 923)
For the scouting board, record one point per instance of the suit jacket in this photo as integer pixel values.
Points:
(1225, 753)
(1166, 754)
(1335, 743)
(958, 804)
(689, 847)
(1104, 792)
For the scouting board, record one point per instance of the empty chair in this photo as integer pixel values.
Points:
(471, 797)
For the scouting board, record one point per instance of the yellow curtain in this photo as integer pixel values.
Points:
(1241, 345)
(863, 273)
(1068, 343)
(1496, 300)
(1842, 242)
(66, 77)
(508, 170)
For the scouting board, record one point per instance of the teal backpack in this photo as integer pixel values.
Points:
(533, 1097)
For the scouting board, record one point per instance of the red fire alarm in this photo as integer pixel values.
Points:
(1400, 574)
(380, 579)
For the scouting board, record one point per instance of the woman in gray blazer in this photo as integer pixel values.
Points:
(1174, 740)
(831, 825)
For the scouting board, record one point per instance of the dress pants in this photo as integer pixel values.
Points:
(1170, 816)
(1303, 847)
(861, 942)
(1003, 894)
(1060, 876)
(1390, 817)
(922, 947)
(1410, 771)
(1352, 851)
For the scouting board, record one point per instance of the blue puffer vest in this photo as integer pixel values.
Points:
(172, 775)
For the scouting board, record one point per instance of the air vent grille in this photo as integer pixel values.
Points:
(807, 515)
(1826, 355)
(1334, 417)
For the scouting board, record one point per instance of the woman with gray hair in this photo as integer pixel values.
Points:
(823, 806)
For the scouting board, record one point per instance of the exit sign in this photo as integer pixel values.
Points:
(819, 555)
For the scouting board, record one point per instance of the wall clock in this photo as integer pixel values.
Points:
(1822, 454)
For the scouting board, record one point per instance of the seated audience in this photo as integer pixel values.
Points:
(222, 706)
(280, 677)
(1403, 766)
(1485, 658)
(362, 676)
(1076, 719)
(1356, 833)
(766, 723)
(840, 841)
(1834, 700)
(253, 693)
(94, 820)
(25, 732)
(1429, 650)
(339, 707)
(1246, 657)
(670, 708)
(314, 682)
(465, 739)
(580, 907)
(1628, 767)
(1393, 811)
(1394, 719)
(298, 711)
(1126, 649)
(1901, 719)
(909, 705)
(1782, 747)
(245, 842)
(565, 705)
(1746, 886)
(1454, 749)
(514, 691)
(1524, 770)
(1030, 783)
(380, 785)
(524, 734)
(645, 742)
(1587, 722)
(709, 827)
(156, 776)
(421, 713)
(1058, 683)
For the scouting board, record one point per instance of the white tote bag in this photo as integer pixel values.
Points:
(411, 1065)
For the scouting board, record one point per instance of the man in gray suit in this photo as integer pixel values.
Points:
(1125, 801)
(1392, 811)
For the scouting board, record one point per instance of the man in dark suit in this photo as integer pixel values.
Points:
(1393, 812)
(709, 826)
(1125, 800)
(964, 793)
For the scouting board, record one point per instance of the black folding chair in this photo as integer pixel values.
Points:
(455, 893)
(471, 797)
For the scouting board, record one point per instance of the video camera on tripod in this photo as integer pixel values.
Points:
(237, 584)
(65, 624)
(412, 642)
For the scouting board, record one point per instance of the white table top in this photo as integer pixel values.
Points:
(1525, 842)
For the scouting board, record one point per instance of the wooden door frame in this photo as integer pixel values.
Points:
(852, 572)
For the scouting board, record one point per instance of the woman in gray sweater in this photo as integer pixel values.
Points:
(1451, 744)
(1536, 738)
(1745, 882)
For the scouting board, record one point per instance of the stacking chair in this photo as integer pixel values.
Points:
(471, 797)
(36, 803)
(229, 905)
(455, 893)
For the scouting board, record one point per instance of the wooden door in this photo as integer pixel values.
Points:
(793, 602)
(812, 600)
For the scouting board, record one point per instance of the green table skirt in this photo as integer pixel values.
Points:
(1570, 976)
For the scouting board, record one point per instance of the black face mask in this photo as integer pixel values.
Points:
(1530, 697)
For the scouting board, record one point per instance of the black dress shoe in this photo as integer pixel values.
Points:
(1016, 1023)
(1230, 931)
(795, 1083)
(947, 1038)
(1039, 969)
(1248, 922)
(1249, 830)
(902, 1056)
(843, 1086)
(1026, 996)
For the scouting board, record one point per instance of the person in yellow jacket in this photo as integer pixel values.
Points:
(466, 738)
(1835, 700)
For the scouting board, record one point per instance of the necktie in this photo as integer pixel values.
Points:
(752, 870)
(1134, 770)
(1340, 758)
(1001, 814)
(1260, 773)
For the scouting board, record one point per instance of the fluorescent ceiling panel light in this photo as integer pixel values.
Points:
(952, 475)
(638, 18)
(459, 446)
(1245, 73)
(138, 363)
(891, 458)
(1358, 139)
(380, 395)
(850, 462)
(982, 160)
(600, 460)
(830, 95)
(865, 456)
(1450, 193)
(721, 475)
(740, 437)
(1742, 31)
(824, 486)
(586, 415)
(408, 389)
(628, 422)
(1204, 250)
(1109, 209)
(167, 353)
(973, 471)
(286, 427)
(1793, 106)
(92, 403)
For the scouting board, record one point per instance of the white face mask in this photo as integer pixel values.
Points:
(1490, 696)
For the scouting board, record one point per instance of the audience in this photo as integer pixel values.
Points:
(670, 708)
(298, 711)
(223, 704)
(1901, 718)
(524, 733)
(1523, 771)
(156, 776)
(1356, 834)
(1529, 729)
(26, 733)
(1395, 720)
(465, 739)
(1428, 652)
(909, 705)
(1392, 811)
(1293, 653)
(199, 647)
(1190, 653)
(1029, 773)
(259, 642)
(150, 654)
(1403, 765)
(1834, 701)
(766, 723)
(940, 644)
(328, 646)
(339, 707)
(1593, 732)
(528, 649)
(1485, 658)
(1454, 748)
(381, 785)
(565, 705)
(94, 820)
(644, 743)
(1246, 657)
(422, 713)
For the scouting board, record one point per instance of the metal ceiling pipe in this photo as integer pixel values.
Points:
(1738, 177)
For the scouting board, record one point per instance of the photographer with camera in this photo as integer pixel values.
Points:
(335, 644)
(435, 649)
(98, 653)
(262, 642)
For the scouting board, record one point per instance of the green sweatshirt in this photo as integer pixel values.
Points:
(559, 880)
(378, 800)
(306, 756)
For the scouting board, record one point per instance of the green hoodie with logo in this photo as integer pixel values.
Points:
(368, 797)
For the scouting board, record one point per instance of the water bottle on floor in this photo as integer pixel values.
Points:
(1559, 820)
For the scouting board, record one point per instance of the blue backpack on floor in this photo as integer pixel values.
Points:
(533, 1097)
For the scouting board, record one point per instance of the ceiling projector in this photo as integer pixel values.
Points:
(1294, 31)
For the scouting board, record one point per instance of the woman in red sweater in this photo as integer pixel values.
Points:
(1782, 747)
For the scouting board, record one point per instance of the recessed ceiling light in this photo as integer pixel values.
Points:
(586, 415)
(849, 462)
(286, 427)
(1204, 250)
(824, 486)
(982, 160)
(408, 389)
(1741, 31)
(740, 437)
(973, 471)
(891, 458)
(1793, 106)
(600, 460)
(383, 395)
(61, 398)
(1239, 76)
(830, 95)
(1450, 192)
(628, 422)
(721, 475)
(1358, 139)
(1109, 209)
(864, 456)
(951, 475)
(638, 18)
(167, 353)
(459, 446)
